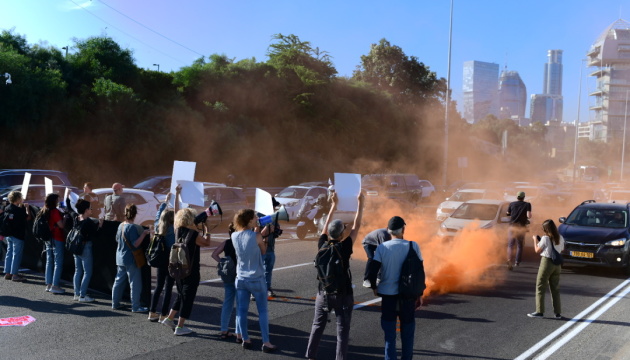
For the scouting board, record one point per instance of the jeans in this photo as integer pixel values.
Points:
(228, 305)
(269, 260)
(15, 249)
(258, 288)
(135, 281)
(166, 282)
(343, 305)
(516, 235)
(54, 261)
(369, 251)
(548, 277)
(391, 308)
(83, 270)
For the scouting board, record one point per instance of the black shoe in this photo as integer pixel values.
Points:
(247, 345)
(267, 349)
(535, 315)
(271, 294)
(509, 265)
(558, 316)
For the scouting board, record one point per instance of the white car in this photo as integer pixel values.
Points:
(446, 208)
(619, 196)
(144, 200)
(490, 214)
(427, 189)
(531, 192)
(293, 197)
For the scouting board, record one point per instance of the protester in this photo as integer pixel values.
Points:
(229, 289)
(342, 302)
(269, 258)
(90, 196)
(55, 248)
(548, 272)
(83, 263)
(370, 242)
(519, 212)
(164, 226)
(129, 238)
(250, 275)
(18, 213)
(115, 204)
(389, 258)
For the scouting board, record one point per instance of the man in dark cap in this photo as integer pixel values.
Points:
(519, 212)
(389, 258)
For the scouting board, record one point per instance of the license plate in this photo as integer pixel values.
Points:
(582, 254)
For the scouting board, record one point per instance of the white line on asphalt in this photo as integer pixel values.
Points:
(366, 303)
(554, 335)
(276, 269)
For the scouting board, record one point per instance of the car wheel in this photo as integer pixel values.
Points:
(301, 232)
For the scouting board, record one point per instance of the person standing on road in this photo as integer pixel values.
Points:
(83, 263)
(18, 213)
(519, 212)
(90, 196)
(229, 289)
(370, 242)
(270, 234)
(343, 302)
(548, 272)
(250, 276)
(115, 204)
(55, 248)
(389, 258)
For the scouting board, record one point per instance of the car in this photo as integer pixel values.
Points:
(293, 197)
(400, 187)
(532, 192)
(446, 208)
(428, 190)
(145, 201)
(157, 184)
(230, 199)
(12, 177)
(490, 214)
(597, 234)
(36, 194)
(619, 196)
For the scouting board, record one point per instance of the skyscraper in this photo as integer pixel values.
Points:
(552, 83)
(512, 95)
(480, 90)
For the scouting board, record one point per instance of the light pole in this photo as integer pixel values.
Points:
(623, 146)
(158, 66)
(577, 124)
(65, 48)
(447, 102)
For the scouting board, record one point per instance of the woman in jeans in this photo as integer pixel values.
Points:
(83, 263)
(19, 214)
(250, 275)
(129, 238)
(164, 221)
(548, 272)
(229, 290)
(55, 248)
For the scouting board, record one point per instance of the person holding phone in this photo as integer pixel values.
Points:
(548, 272)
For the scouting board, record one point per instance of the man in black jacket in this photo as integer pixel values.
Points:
(519, 212)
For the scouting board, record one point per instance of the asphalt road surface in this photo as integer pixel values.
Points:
(483, 324)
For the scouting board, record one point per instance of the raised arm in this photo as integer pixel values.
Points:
(333, 207)
(178, 191)
(357, 217)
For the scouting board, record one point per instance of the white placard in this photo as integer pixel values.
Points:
(347, 187)
(182, 170)
(192, 192)
(264, 204)
(27, 181)
(48, 186)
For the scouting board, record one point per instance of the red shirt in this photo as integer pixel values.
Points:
(57, 232)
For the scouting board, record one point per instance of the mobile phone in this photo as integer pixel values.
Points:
(537, 238)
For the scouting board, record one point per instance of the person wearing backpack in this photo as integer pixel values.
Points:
(186, 231)
(55, 248)
(389, 259)
(83, 262)
(129, 238)
(335, 294)
(15, 217)
(229, 289)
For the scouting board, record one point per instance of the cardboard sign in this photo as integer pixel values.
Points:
(264, 204)
(182, 170)
(27, 181)
(73, 197)
(48, 186)
(17, 321)
(348, 187)
(192, 192)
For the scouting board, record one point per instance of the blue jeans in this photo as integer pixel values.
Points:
(392, 308)
(516, 235)
(269, 260)
(83, 270)
(258, 288)
(228, 306)
(369, 251)
(15, 249)
(135, 281)
(54, 261)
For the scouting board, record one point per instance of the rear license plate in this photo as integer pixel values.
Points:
(582, 254)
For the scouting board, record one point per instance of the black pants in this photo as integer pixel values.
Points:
(186, 292)
(164, 281)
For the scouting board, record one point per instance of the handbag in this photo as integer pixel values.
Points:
(138, 254)
(556, 257)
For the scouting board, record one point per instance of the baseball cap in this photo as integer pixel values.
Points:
(396, 223)
(336, 228)
(521, 194)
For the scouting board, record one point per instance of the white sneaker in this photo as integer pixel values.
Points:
(86, 299)
(182, 331)
(366, 284)
(57, 290)
(76, 297)
(168, 322)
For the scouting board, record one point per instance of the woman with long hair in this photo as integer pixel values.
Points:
(229, 289)
(83, 263)
(548, 272)
(55, 248)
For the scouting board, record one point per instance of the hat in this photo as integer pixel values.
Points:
(336, 228)
(395, 223)
(521, 194)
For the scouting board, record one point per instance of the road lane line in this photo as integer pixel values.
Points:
(275, 269)
(570, 323)
(366, 303)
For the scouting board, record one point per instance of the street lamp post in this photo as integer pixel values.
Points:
(577, 124)
(623, 146)
(158, 66)
(447, 102)
(65, 48)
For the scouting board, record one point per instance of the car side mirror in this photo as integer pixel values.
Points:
(562, 220)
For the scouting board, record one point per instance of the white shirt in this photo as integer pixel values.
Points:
(545, 245)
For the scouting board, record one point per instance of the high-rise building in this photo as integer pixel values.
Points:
(610, 55)
(480, 90)
(545, 107)
(552, 83)
(512, 95)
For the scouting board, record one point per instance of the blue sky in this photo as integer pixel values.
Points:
(518, 33)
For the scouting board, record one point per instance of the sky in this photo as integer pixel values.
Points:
(173, 34)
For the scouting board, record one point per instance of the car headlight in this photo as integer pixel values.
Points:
(618, 242)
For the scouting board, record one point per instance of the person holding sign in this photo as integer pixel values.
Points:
(18, 214)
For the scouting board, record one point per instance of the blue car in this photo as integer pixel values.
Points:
(597, 234)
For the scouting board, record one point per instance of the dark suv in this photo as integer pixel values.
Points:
(10, 177)
(405, 187)
(597, 234)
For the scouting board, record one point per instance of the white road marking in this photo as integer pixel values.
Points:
(275, 269)
(556, 334)
(366, 303)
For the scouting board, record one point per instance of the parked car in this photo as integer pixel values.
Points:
(619, 196)
(401, 187)
(490, 214)
(36, 194)
(597, 234)
(156, 184)
(145, 201)
(293, 197)
(446, 208)
(231, 200)
(11, 177)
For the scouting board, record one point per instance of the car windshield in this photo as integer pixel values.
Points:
(290, 192)
(476, 211)
(377, 181)
(465, 196)
(148, 184)
(608, 218)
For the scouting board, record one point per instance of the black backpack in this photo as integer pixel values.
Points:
(5, 222)
(157, 255)
(332, 275)
(41, 229)
(75, 241)
(411, 282)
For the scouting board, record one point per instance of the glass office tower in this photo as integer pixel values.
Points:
(480, 90)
